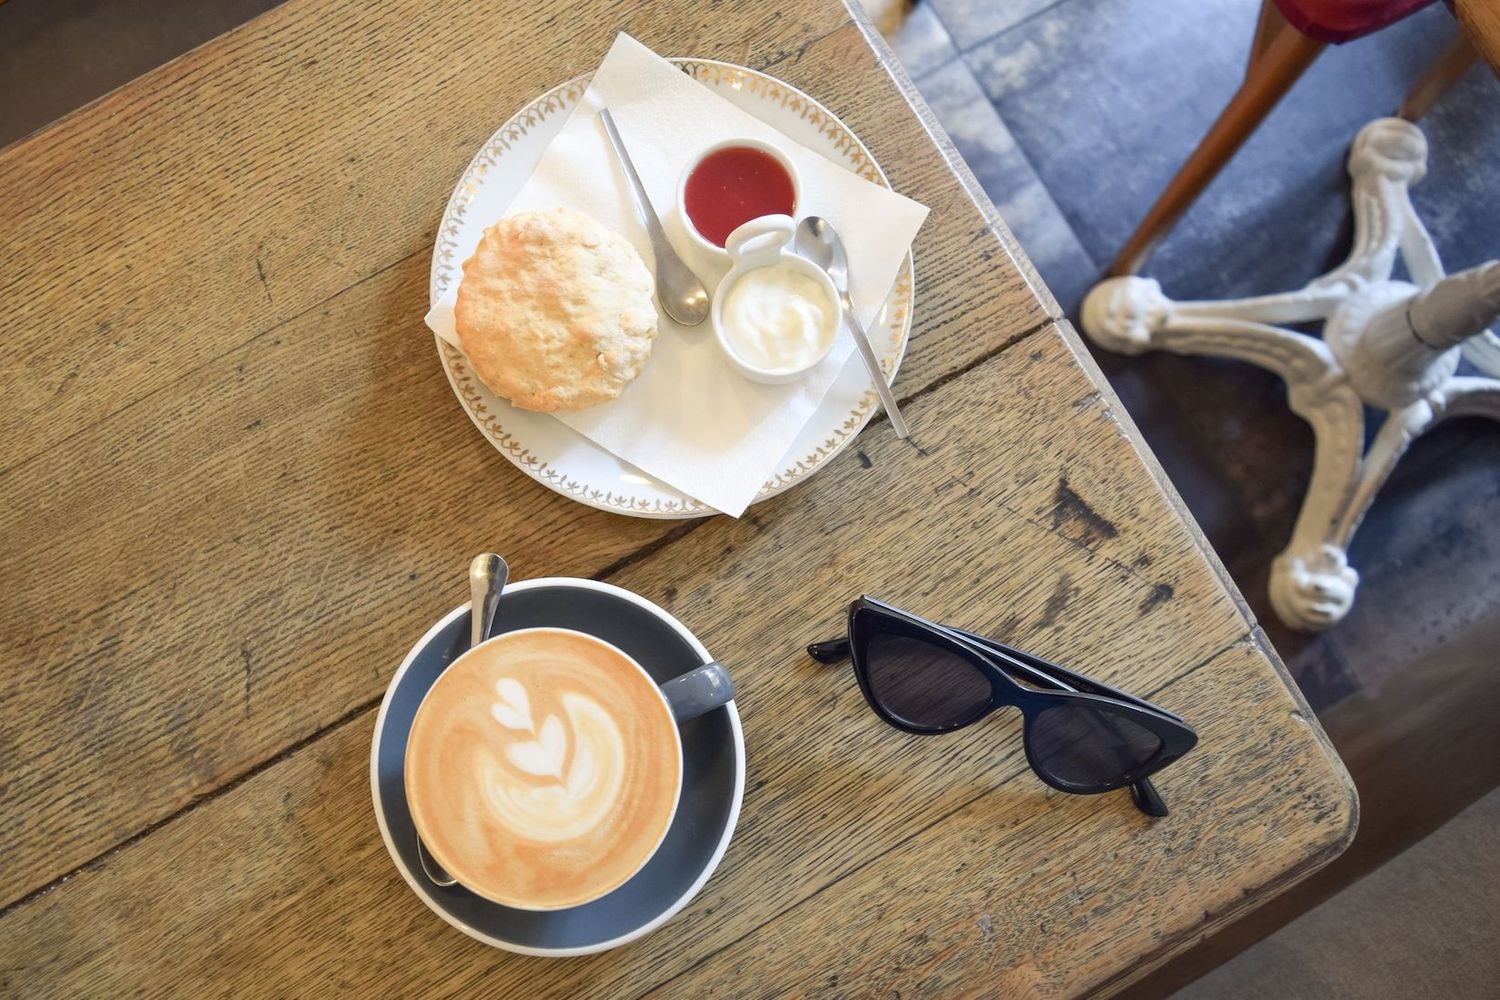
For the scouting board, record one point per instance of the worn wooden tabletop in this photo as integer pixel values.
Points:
(234, 488)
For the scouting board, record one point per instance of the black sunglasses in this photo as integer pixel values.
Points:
(1081, 736)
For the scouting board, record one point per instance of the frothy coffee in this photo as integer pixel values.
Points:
(543, 769)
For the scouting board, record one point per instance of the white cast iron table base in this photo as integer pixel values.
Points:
(1390, 345)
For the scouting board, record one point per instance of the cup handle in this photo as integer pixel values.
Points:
(759, 241)
(698, 691)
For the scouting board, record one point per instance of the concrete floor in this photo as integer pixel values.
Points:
(1439, 898)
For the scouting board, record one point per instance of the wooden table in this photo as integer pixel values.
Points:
(235, 488)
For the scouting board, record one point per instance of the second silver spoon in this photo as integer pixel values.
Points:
(819, 242)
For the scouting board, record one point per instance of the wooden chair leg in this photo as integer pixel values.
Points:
(1267, 27)
(1442, 74)
(1269, 76)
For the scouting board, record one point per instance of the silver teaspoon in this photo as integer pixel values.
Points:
(488, 574)
(681, 294)
(819, 242)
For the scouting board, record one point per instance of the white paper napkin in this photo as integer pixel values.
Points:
(690, 420)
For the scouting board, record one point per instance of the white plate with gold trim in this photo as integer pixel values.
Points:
(559, 457)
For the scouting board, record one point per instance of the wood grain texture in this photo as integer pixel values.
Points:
(160, 633)
(245, 182)
(886, 861)
(1480, 20)
(1024, 894)
(244, 491)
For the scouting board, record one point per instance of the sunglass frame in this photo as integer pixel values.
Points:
(997, 662)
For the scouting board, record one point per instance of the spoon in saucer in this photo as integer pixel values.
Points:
(681, 294)
(488, 574)
(819, 242)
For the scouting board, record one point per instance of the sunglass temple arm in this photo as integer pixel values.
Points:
(1147, 799)
(831, 651)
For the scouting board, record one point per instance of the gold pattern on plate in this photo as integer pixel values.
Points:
(560, 100)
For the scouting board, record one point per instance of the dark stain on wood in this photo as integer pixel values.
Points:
(260, 272)
(784, 55)
(952, 481)
(1008, 629)
(1058, 602)
(1160, 593)
(67, 379)
(1070, 508)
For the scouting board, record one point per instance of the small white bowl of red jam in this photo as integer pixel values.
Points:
(730, 183)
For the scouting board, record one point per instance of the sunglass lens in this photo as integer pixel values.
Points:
(923, 684)
(1088, 747)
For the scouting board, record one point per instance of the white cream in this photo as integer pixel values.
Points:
(778, 319)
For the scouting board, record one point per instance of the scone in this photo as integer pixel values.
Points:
(554, 311)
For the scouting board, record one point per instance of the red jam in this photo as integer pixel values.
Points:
(731, 186)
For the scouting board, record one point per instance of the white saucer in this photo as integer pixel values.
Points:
(556, 455)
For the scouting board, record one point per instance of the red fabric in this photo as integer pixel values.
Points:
(1336, 21)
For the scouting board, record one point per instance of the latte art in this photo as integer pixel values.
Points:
(581, 761)
(543, 768)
